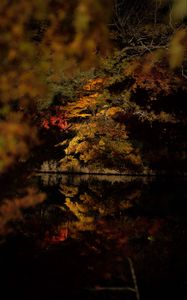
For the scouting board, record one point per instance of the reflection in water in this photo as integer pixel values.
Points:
(89, 200)
(95, 231)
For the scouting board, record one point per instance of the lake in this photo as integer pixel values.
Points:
(100, 237)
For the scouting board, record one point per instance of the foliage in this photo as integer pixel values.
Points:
(64, 90)
(53, 119)
(11, 209)
(127, 114)
(38, 40)
(179, 9)
(46, 34)
(83, 210)
(116, 109)
(130, 120)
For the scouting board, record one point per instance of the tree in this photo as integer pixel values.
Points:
(36, 37)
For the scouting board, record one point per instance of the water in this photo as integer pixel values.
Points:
(100, 237)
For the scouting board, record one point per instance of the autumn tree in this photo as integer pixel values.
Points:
(134, 117)
(36, 39)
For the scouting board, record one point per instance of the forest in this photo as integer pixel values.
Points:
(93, 149)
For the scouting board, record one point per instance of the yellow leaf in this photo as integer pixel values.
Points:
(178, 48)
(179, 10)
